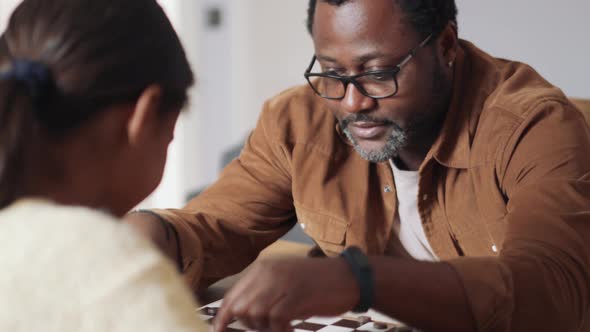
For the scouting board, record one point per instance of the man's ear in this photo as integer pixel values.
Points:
(144, 116)
(448, 42)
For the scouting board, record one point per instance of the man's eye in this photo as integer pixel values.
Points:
(380, 77)
(331, 71)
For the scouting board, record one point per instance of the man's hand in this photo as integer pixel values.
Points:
(273, 292)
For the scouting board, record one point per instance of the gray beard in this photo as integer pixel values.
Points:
(399, 137)
(395, 142)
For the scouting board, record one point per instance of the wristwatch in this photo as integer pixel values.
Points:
(363, 273)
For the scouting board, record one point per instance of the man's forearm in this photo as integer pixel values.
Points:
(158, 231)
(426, 295)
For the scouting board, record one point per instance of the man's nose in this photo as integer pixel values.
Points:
(354, 101)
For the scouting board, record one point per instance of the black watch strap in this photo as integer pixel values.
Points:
(362, 271)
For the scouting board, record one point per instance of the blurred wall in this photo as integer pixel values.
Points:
(6, 7)
(183, 169)
(551, 36)
(260, 49)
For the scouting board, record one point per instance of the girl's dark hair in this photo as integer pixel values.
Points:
(94, 53)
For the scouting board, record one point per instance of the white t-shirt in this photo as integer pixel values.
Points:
(408, 224)
(75, 269)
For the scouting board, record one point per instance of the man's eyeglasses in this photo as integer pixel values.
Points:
(375, 84)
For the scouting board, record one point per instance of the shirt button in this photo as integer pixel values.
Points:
(387, 189)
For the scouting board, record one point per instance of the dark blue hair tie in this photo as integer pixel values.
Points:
(35, 75)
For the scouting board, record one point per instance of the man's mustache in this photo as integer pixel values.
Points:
(360, 117)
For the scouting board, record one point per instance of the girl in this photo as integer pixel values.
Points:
(90, 91)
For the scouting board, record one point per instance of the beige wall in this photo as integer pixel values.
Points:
(275, 51)
(261, 49)
(6, 7)
(551, 36)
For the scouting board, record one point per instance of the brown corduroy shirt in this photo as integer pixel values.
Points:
(504, 195)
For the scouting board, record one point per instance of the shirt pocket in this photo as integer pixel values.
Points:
(327, 231)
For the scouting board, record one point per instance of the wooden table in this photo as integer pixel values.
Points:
(280, 248)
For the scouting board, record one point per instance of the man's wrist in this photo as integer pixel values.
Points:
(165, 228)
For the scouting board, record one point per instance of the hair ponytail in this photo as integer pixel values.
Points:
(17, 130)
(25, 88)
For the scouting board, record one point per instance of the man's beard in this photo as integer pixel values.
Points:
(394, 143)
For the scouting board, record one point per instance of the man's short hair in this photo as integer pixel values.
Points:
(426, 16)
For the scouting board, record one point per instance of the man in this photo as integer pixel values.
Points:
(468, 190)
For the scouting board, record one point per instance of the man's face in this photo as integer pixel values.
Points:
(366, 35)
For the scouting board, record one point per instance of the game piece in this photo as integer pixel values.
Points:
(211, 311)
(379, 325)
(364, 320)
(348, 323)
